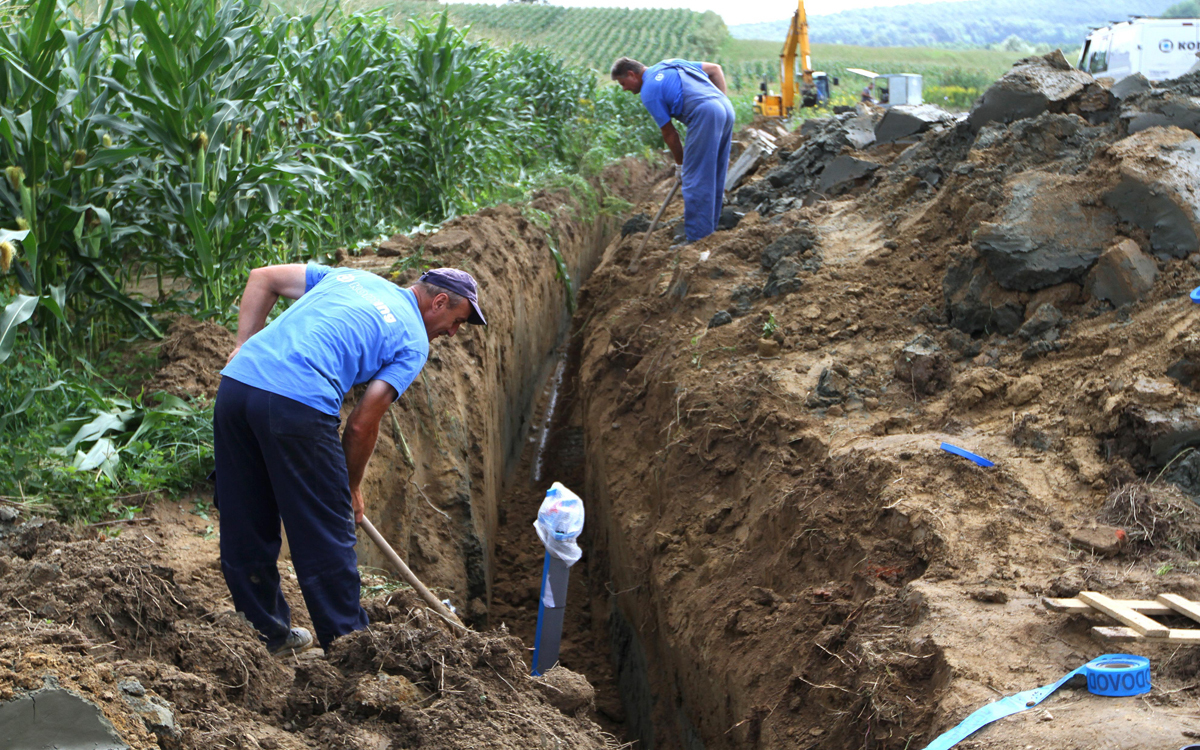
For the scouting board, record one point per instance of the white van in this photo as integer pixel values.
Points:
(1158, 48)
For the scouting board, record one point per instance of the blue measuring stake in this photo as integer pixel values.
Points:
(552, 609)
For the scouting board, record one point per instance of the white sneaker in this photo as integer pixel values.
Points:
(298, 640)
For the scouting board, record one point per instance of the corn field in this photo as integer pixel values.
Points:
(155, 150)
(591, 36)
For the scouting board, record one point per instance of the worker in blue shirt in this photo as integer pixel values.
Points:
(694, 94)
(275, 429)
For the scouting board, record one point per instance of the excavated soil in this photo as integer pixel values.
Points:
(790, 558)
(96, 615)
(137, 621)
(778, 553)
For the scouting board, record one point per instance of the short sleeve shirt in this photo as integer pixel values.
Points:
(349, 327)
(662, 91)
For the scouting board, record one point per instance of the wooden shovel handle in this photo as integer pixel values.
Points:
(434, 603)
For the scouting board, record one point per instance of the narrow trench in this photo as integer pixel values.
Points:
(554, 452)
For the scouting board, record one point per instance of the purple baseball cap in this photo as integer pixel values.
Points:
(462, 284)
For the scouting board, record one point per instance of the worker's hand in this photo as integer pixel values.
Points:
(233, 354)
(357, 503)
(679, 172)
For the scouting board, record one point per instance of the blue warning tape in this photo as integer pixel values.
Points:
(1113, 675)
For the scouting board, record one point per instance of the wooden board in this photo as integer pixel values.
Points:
(1124, 614)
(1147, 607)
(1174, 635)
(1181, 605)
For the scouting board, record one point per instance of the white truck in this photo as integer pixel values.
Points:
(1158, 48)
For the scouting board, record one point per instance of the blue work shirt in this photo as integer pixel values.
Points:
(349, 327)
(662, 92)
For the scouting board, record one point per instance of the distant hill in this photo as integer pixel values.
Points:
(971, 23)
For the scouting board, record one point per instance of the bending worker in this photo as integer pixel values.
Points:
(275, 429)
(694, 94)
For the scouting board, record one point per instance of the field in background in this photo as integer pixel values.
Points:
(596, 36)
(953, 78)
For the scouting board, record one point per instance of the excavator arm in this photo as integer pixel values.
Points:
(797, 39)
(790, 91)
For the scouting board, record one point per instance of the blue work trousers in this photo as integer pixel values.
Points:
(709, 119)
(278, 459)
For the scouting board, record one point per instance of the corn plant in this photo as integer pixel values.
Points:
(54, 187)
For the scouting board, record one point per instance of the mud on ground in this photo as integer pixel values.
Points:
(794, 560)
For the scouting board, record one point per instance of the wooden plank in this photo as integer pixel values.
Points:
(1181, 605)
(1179, 636)
(1147, 607)
(745, 163)
(1123, 614)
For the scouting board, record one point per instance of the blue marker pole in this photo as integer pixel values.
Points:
(552, 609)
(559, 523)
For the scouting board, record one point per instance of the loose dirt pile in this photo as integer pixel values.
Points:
(791, 560)
(140, 628)
(132, 636)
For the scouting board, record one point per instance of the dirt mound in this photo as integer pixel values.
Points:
(121, 624)
(191, 356)
(792, 560)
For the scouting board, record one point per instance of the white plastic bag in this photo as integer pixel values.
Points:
(559, 523)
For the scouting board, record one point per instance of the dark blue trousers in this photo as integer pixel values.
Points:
(278, 459)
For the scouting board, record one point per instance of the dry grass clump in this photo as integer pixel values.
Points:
(1155, 516)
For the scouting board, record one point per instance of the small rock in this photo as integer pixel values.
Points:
(782, 278)
(923, 366)
(1044, 320)
(384, 692)
(989, 595)
(131, 687)
(798, 241)
(567, 691)
(41, 573)
(1046, 716)
(1066, 586)
(730, 218)
(721, 318)
(8, 515)
(1122, 275)
(768, 348)
(634, 224)
(1106, 541)
(1023, 390)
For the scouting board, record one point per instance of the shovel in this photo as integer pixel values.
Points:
(633, 264)
(438, 608)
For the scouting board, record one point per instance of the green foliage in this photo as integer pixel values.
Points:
(951, 97)
(88, 453)
(749, 62)
(770, 326)
(960, 25)
(156, 150)
(184, 142)
(1185, 9)
(589, 36)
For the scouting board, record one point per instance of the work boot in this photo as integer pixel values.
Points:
(299, 639)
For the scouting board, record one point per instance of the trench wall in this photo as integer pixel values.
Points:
(439, 469)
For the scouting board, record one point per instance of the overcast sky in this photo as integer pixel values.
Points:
(733, 11)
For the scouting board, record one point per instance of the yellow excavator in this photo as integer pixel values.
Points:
(812, 91)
